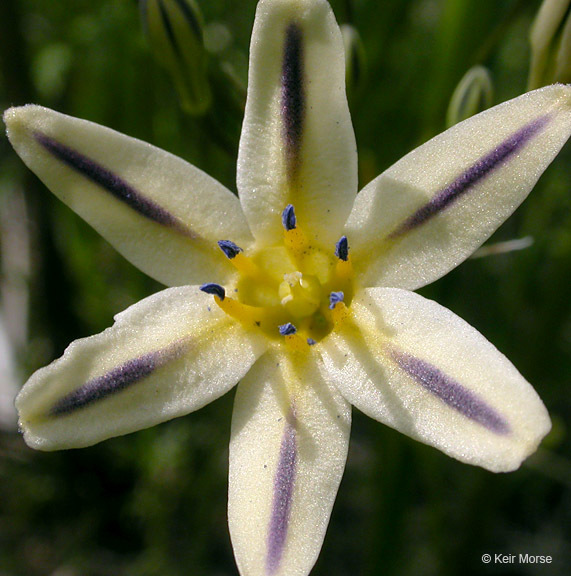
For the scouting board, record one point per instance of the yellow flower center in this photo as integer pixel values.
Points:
(300, 294)
(294, 290)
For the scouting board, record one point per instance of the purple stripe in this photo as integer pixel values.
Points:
(117, 379)
(112, 183)
(283, 493)
(450, 391)
(293, 97)
(474, 174)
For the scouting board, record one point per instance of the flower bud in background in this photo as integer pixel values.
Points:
(174, 29)
(550, 39)
(473, 94)
(355, 59)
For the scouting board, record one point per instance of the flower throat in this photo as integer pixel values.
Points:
(294, 290)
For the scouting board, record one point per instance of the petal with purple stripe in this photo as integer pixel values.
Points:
(118, 379)
(434, 207)
(164, 357)
(112, 183)
(414, 365)
(450, 391)
(297, 144)
(290, 433)
(472, 176)
(161, 213)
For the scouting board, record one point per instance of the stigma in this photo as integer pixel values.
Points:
(300, 294)
(296, 291)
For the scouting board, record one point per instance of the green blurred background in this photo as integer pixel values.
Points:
(154, 503)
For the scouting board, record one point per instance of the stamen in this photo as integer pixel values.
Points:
(229, 248)
(334, 298)
(289, 220)
(294, 238)
(264, 318)
(342, 249)
(311, 341)
(287, 329)
(214, 289)
(344, 268)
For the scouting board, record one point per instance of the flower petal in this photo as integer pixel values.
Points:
(414, 365)
(297, 145)
(160, 212)
(164, 357)
(433, 208)
(290, 433)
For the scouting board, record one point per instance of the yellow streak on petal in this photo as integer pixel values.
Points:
(296, 243)
(296, 343)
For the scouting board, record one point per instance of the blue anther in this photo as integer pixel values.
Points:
(288, 218)
(311, 341)
(335, 297)
(214, 289)
(342, 249)
(229, 248)
(287, 329)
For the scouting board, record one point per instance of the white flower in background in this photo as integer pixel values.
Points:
(299, 289)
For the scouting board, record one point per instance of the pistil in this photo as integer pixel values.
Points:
(300, 294)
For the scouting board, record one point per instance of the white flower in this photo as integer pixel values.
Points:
(299, 290)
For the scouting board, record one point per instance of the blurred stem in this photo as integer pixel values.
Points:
(349, 12)
(50, 292)
(551, 465)
(394, 481)
(460, 43)
(17, 83)
(499, 31)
